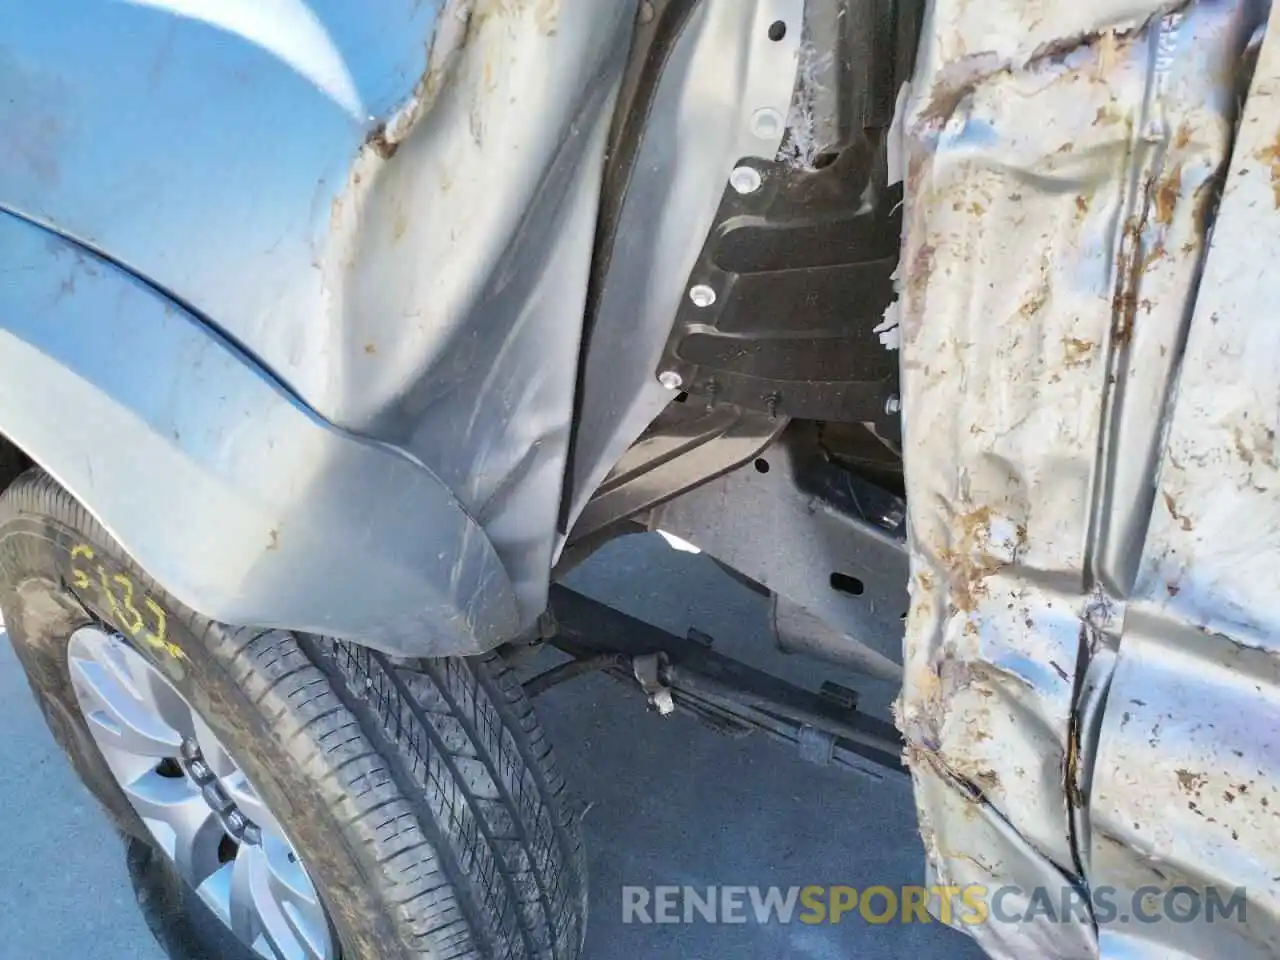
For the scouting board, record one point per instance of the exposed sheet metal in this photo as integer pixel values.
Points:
(1063, 162)
(1186, 786)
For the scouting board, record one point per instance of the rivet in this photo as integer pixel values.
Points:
(702, 295)
(745, 179)
(766, 123)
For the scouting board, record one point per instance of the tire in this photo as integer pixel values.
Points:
(422, 797)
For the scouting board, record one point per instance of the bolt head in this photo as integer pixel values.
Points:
(745, 179)
(893, 404)
(199, 770)
(671, 380)
(702, 295)
(766, 123)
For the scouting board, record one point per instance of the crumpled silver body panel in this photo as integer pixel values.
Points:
(390, 209)
(389, 205)
(1091, 684)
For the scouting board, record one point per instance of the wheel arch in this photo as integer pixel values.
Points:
(235, 496)
(13, 461)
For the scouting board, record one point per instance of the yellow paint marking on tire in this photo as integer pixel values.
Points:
(119, 593)
(79, 576)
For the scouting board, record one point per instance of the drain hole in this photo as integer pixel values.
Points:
(847, 584)
(762, 465)
(227, 849)
(777, 30)
(682, 396)
(170, 768)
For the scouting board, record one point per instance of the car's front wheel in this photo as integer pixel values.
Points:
(323, 801)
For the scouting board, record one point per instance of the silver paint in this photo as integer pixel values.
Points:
(412, 274)
(1186, 782)
(228, 491)
(390, 209)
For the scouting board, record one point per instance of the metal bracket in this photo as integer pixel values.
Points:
(675, 672)
(816, 746)
(648, 670)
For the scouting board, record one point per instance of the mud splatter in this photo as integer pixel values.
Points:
(1191, 782)
(1078, 352)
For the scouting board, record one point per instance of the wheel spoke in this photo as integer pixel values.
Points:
(182, 822)
(309, 930)
(212, 750)
(216, 891)
(289, 881)
(242, 914)
(119, 715)
(138, 718)
(164, 699)
(273, 904)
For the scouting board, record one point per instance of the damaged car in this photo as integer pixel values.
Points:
(333, 336)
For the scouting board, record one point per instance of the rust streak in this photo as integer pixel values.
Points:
(1271, 156)
(1171, 505)
(1166, 195)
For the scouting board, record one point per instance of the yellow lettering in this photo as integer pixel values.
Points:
(915, 907)
(890, 905)
(132, 618)
(159, 638)
(815, 911)
(843, 899)
(121, 600)
(975, 898)
(945, 895)
(80, 578)
(106, 589)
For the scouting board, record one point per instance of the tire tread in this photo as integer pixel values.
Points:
(436, 773)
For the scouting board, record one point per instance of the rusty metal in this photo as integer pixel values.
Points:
(1067, 436)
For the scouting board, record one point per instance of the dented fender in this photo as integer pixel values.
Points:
(227, 489)
(388, 205)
